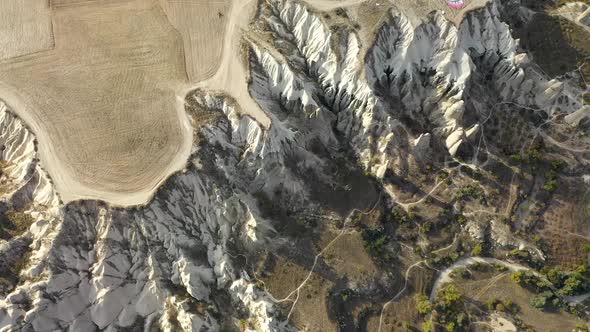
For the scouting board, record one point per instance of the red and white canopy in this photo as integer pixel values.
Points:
(456, 3)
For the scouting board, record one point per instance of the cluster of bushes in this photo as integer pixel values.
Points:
(399, 216)
(477, 250)
(447, 216)
(530, 280)
(533, 156)
(461, 249)
(472, 192)
(447, 310)
(544, 293)
(553, 283)
(375, 242)
(529, 156)
(10, 277)
(551, 175)
(526, 258)
(346, 294)
(570, 282)
(406, 223)
(541, 300)
(505, 305)
(462, 272)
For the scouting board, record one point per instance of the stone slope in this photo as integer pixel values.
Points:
(422, 94)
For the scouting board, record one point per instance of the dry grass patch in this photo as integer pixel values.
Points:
(103, 102)
(564, 228)
(491, 286)
(310, 313)
(202, 27)
(348, 258)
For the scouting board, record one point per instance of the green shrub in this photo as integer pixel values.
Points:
(449, 294)
(450, 327)
(540, 301)
(423, 305)
(427, 326)
(477, 249)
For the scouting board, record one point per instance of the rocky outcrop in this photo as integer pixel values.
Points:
(97, 267)
(420, 93)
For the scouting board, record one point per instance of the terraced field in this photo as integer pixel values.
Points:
(103, 101)
(25, 27)
(202, 27)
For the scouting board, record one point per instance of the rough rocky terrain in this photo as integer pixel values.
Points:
(351, 167)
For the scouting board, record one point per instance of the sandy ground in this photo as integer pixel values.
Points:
(25, 27)
(231, 76)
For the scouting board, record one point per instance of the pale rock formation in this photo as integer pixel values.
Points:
(420, 90)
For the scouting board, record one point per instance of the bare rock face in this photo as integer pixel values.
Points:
(584, 17)
(421, 93)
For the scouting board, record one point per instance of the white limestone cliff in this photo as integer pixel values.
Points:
(418, 91)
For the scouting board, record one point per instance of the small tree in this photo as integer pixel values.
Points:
(422, 304)
(450, 327)
(427, 326)
(476, 251)
(491, 303)
(540, 301)
(450, 294)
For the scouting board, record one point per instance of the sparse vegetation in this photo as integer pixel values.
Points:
(471, 192)
(551, 175)
(11, 275)
(449, 309)
(423, 305)
(14, 223)
(477, 249)
(505, 305)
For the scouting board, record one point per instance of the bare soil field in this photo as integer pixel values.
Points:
(565, 226)
(25, 27)
(202, 27)
(103, 102)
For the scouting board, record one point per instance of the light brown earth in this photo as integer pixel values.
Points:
(202, 27)
(25, 27)
(102, 102)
